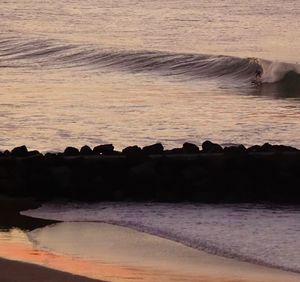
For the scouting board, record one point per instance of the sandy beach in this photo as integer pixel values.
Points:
(110, 253)
(13, 271)
(139, 256)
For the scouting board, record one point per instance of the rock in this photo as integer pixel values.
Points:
(20, 151)
(155, 149)
(86, 150)
(106, 149)
(50, 155)
(240, 149)
(61, 177)
(143, 180)
(210, 147)
(284, 148)
(132, 151)
(254, 149)
(175, 151)
(33, 153)
(266, 148)
(189, 148)
(71, 151)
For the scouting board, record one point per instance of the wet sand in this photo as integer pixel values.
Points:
(145, 257)
(13, 271)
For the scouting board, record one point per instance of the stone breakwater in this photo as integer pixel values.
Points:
(267, 173)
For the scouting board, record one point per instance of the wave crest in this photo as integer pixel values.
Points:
(18, 52)
(274, 72)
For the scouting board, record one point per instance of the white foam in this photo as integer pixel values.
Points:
(275, 71)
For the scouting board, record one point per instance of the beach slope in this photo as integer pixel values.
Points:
(13, 271)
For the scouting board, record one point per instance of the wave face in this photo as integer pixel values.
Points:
(16, 52)
(259, 234)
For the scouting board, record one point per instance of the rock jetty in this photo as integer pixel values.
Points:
(211, 174)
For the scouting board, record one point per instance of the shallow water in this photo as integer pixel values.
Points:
(29, 247)
(267, 235)
(126, 72)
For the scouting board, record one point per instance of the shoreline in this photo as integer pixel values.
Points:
(172, 236)
(134, 256)
(211, 268)
(11, 217)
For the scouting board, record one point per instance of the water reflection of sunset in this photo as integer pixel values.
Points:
(15, 246)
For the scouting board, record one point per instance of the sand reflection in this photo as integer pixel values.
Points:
(118, 254)
(16, 245)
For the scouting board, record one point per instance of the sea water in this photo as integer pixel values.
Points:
(266, 235)
(137, 72)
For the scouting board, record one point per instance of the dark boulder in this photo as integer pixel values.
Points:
(34, 153)
(155, 149)
(143, 180)
(267, 148)
(50, 155)
(86, 150)
(189, 148)
(284, 148)
(106, 149)
(71, 151)
(174, 151)
(133, 151)
(20, 151)
(240, 149)
(254, 149)
(210, 147)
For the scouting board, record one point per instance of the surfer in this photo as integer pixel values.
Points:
(258, 74)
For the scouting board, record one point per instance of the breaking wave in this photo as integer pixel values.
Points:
(19, 52)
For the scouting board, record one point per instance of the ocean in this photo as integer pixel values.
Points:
(138, 72)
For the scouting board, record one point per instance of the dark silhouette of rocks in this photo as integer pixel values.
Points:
(155, 149)
(239, 149)
(133, 151)
(254, 149)
(189, 148)
(174, 151)
(19, 151)
(50, 155)
(268, 148)
(71, 151)
(267, 173)
(34, 153)
(86, 150)
(106, 149)
(210, 147)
